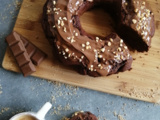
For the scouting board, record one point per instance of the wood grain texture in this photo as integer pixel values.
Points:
(141, 83)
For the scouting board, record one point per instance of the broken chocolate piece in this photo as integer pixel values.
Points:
(38, 57)
(20, 54)
(17, 48)
(22, 59)
(25, 53)
(28, 69)
(30, 49)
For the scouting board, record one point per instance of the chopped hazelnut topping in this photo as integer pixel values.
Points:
(143, 3)
(82, 57)
(122, 57)
(68, 38)
(83, 45)
(139, 14)
(121, 41)
(54, 9)
(69, 55)
(65, 57)
(88, 47)
(64, 18)
(142, 7)
(103, 50)
(136, 10)
(121, 45)
(67, 50)
(76, 34)
(97, 39)
(125, 47)
(99, 56)
(59, 22)
(138, 27)
(95, 50)
(62, 23)
(72, 40)
(111, 39)
(57, 13)
(126, 3)
(48, 11)
(64, 29)
(109, 43)
(134, 21)
(80, 60)
(119, 49)
(54, 2)
(63, 53)
(99, 65)
(87, 43)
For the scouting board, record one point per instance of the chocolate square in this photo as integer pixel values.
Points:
(17, 48)
(28, 69)
(30, 49)
(25, 42)
(38, 57)
(12, 38)
(22, 59)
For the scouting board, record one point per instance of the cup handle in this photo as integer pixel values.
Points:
(43, 111)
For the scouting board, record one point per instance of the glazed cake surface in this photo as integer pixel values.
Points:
(91, 55)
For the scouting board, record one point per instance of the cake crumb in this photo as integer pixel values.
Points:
(115, 113)
(120, 117)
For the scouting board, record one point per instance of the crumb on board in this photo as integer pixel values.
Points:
(120, 117)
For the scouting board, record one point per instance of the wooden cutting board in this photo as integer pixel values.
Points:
(142, 82)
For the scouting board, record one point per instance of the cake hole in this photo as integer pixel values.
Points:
(97, 22)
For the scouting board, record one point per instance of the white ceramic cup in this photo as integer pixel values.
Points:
(40, 115)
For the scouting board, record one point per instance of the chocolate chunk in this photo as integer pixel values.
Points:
(38, 57)
(28, 69)
(17, 48)
(19, 51)
(25, 53)
(12, 38)
(30, 49)
(25, 42)
(22, 59)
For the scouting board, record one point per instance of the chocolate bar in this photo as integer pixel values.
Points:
(19, 51)
(36, 55)
(25, 53)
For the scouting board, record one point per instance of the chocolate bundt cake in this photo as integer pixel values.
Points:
(92, 55)
(83, 116)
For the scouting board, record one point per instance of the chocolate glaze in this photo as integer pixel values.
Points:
(92, 55)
